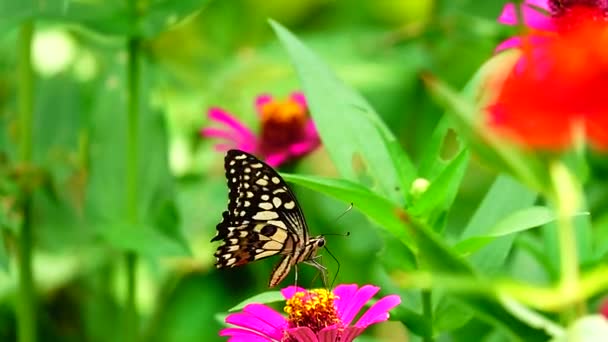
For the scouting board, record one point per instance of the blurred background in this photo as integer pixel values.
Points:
(196, 55)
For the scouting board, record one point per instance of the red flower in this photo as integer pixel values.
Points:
(557, 92)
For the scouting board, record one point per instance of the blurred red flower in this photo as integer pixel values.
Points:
(557, 91)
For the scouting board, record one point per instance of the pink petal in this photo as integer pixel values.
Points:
(304, 334)
(302, 148)
(261, 100)
(349, 307)
(261, 319)
(223, 117)
(277, 158)
(508, 44)
(210, 132)
(508, 16)
(247, 147)
(225, 147)
(290, 291)
(543, 4)
(344, 294)
(311, 130)
(310, 142)
(378, 312)
(243, 335)
(331, 334)
(350, 333)
(533, 17)
(299, 97)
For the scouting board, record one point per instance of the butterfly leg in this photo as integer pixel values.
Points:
(322, 269)
(295, 267)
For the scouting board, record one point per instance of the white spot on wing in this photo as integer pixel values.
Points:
(289, 205)
(265, 205)
(277, 202)
(279, 224)
(266, 215)
(261, 182)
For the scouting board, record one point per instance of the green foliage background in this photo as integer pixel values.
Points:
(381, 129)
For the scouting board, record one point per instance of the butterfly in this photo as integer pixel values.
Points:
(263, 219)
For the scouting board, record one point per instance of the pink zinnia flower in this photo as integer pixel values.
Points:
(313, 316)
(286, 130)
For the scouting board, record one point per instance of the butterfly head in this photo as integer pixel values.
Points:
(317, 241)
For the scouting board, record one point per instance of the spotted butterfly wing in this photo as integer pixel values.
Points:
(263, 219)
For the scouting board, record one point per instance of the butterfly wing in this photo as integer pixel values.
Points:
(263, 216)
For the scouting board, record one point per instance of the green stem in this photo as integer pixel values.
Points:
(427, 311)
(567, 197)
(568, 257)
(26, 323)
(131, 321)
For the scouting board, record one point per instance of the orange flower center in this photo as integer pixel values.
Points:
(283, 123)
(314, 309)
(284, 112)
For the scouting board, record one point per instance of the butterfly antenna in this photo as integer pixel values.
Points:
(350, 207)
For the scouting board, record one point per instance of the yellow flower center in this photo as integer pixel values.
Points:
(313, 309)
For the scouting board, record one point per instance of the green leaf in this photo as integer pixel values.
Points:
(405, 169)
(438, 198)
(431, 162)
(106, 204)
(517, 221)
(4, 259)
(432, 251)
(492, 312)
(110, 17)
(144, 240)
(504, 197)
(360, 150)
(378, 209)
(415, 322)
(478, 295)
(262, 298)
